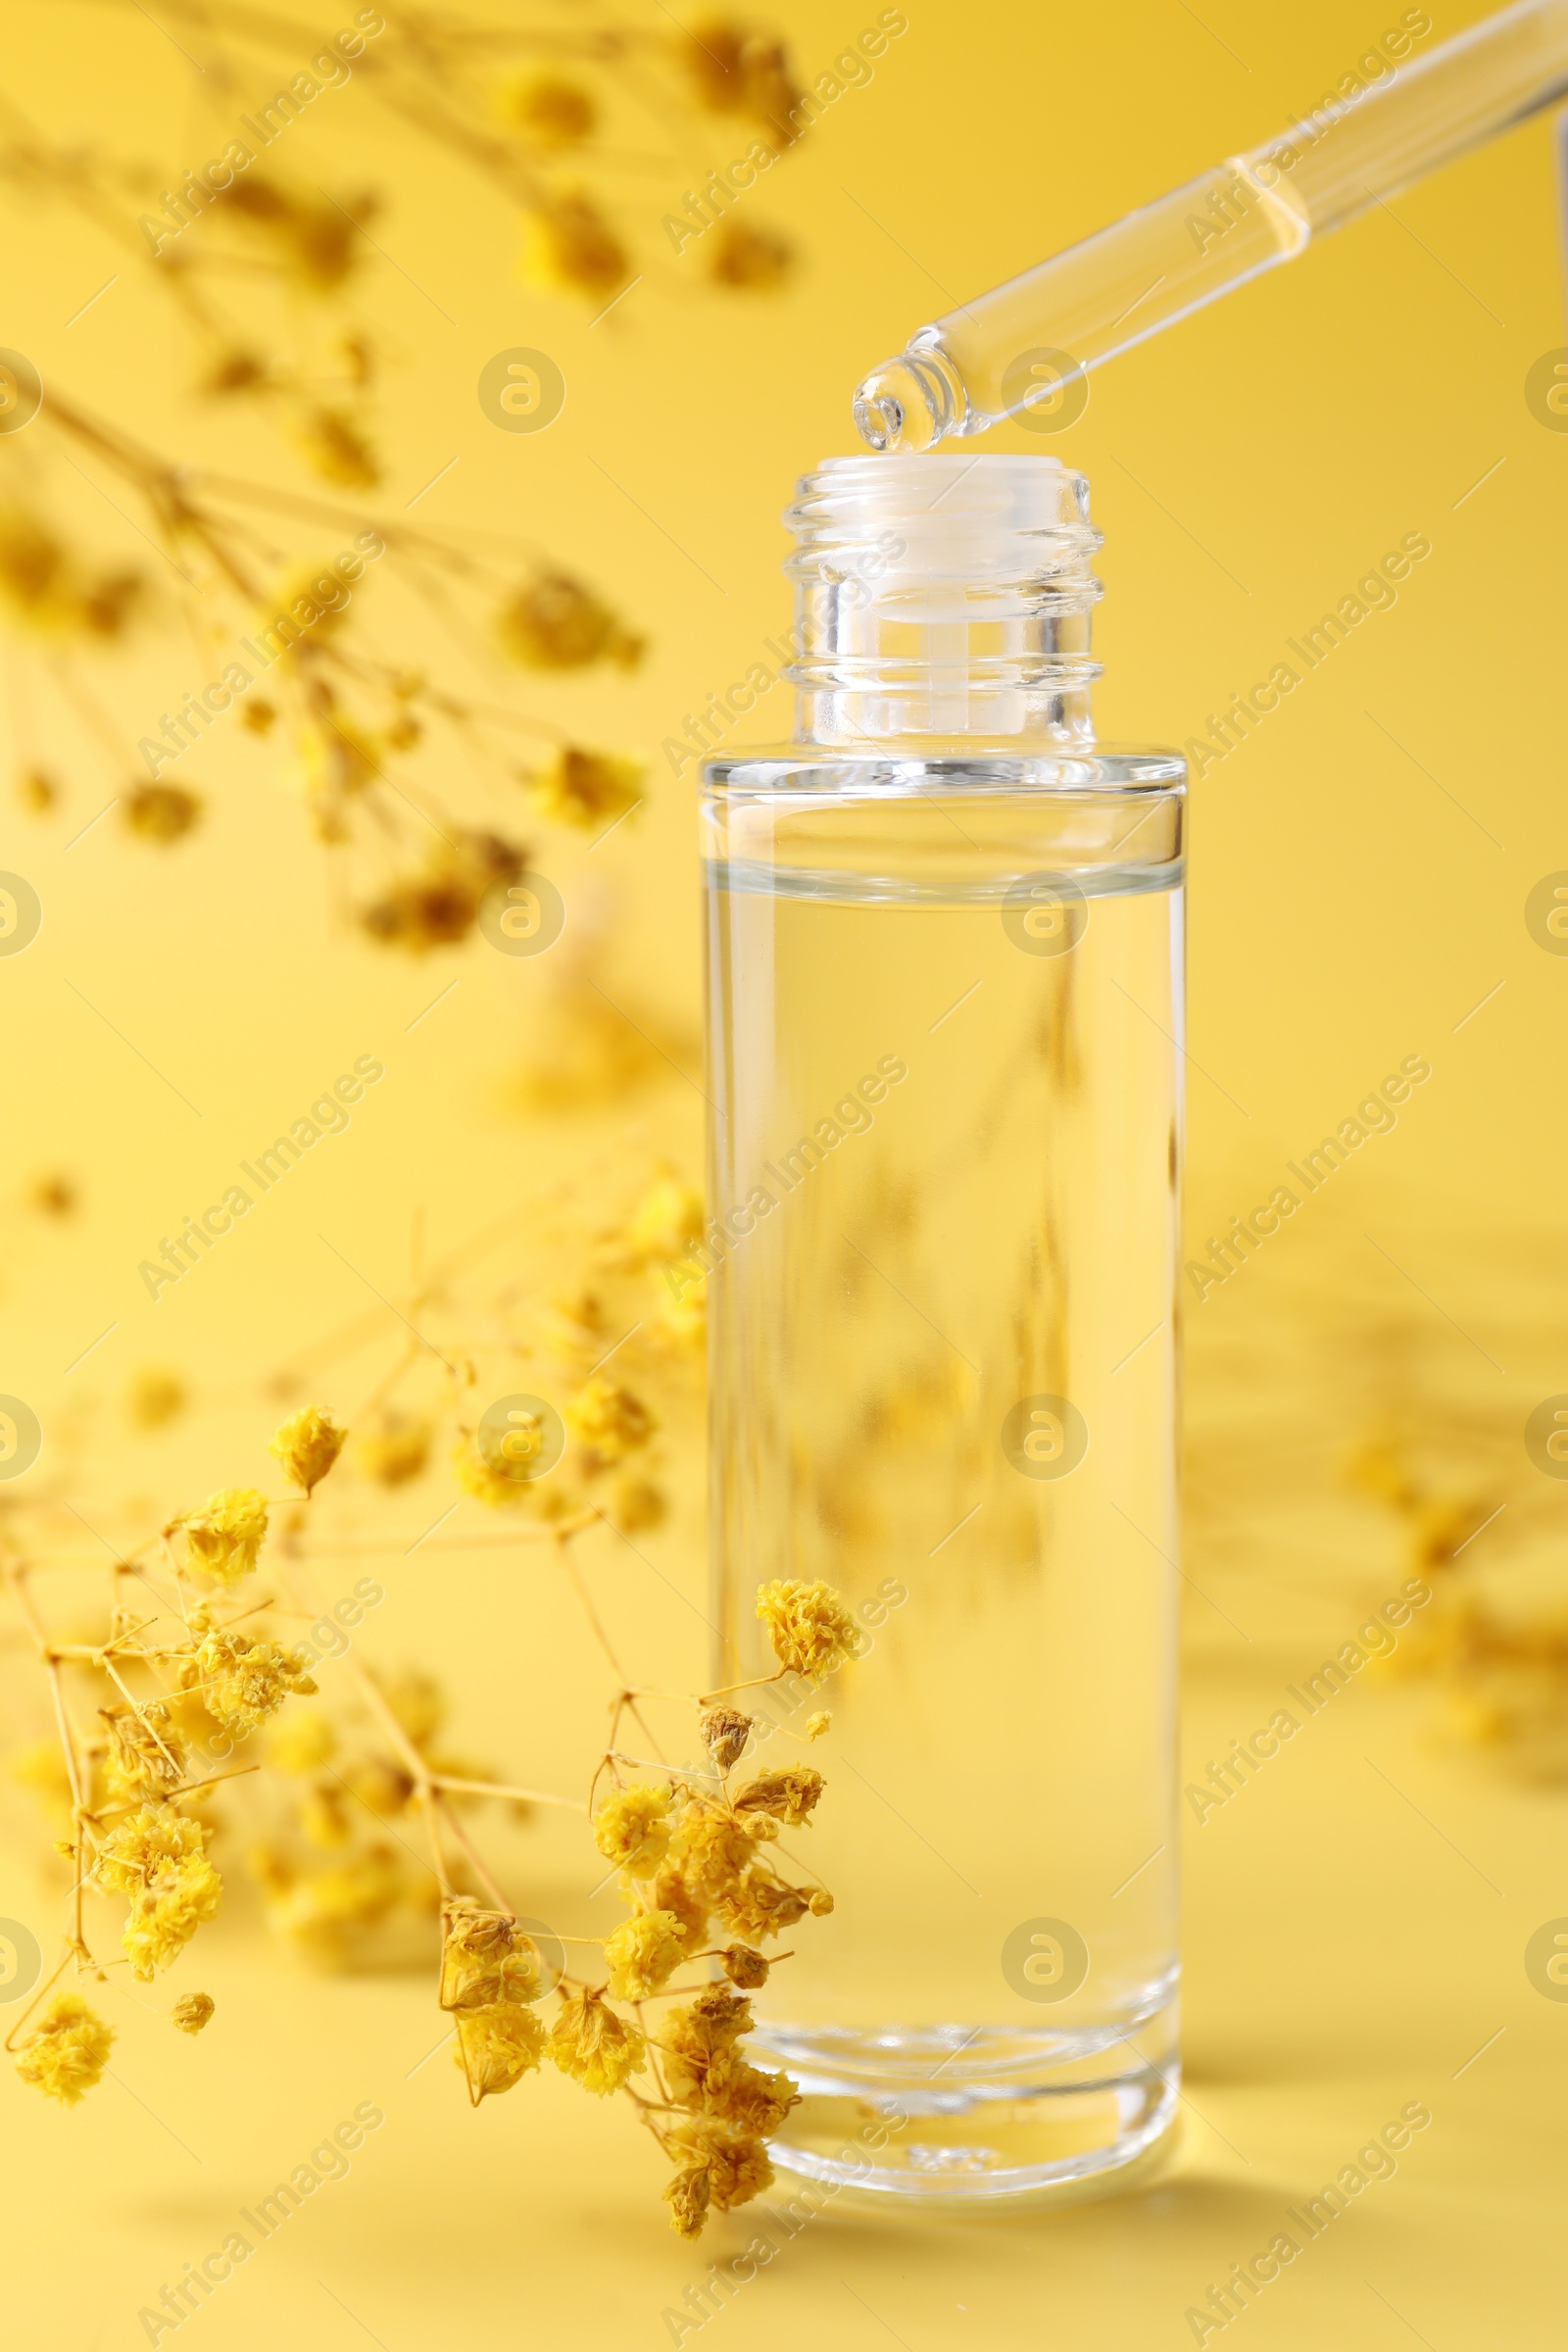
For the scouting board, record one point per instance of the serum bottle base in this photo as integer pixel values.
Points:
(1035, 2137)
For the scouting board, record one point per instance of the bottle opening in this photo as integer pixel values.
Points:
(942, 595)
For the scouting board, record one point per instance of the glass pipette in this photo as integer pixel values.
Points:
(1027, 343)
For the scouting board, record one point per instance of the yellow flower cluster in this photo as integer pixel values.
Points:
(570, 248)
(302, 1742)
(395, 1451)
(732, 2107)
(154, 1397)
(749, 259)
(787, 1796)
(644, 1953)
(223, 1538)
(586, 789)
(555, 623)
(65, 2053)
(725, 1731)
(479, 1475)
(548, 110)
(146, 1755)
(486, 1959)
(688, 1850)
(636, 1505)
(811, 1630)
(334, 448)
(49, 594)
(242, 1678)
(159, 1859)
(592, 2044)
(734, 70)
(609, 1420)
(316, 242)
(719, 2171)
(192, 2010)
(490, 1975)
(308, 1444)
(323, 1911)
(496, 2047)
(37, 790)
(632, 1827)
(743, 1966)
(438, 905)
(162, 814)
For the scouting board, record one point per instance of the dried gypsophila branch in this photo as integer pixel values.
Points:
(435, 73)
(355, 715)
(155, 1850)
(686, 1852)
(132, 1828)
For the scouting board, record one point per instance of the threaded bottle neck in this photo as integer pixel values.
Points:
(943, 597)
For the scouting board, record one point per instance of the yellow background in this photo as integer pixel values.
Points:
(1352, 1939)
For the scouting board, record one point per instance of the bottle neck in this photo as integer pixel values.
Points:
(943, 597)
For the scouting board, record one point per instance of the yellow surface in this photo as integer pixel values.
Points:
(1356, 1921)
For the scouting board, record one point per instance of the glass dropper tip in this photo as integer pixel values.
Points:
(878, 416)
(907, 403)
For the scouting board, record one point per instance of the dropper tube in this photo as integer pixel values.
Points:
(1025, 344)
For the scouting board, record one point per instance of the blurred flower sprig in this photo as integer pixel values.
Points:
(409, 773)
(184, 1671)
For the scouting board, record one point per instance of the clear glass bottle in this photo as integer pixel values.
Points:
(944, 970)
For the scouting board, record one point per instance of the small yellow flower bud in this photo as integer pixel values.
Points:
(158, 1857)
(687, 2198)
(609, 1420)
(643, 1954)
(225, 1536)
(496, 2047)
(548, 110)
(787, 1796)
(65, 2053)
(570, 248)
(810, 1628)
(160, 813)
(308, 1444)
(632, 1828)
(586, 789)
(592, 2044)
(725, 1731)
